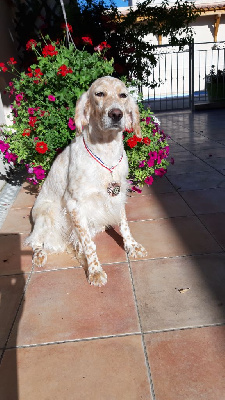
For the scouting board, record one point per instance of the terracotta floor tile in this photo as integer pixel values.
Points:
(11, 290)
(26, 197)
(216, 225)
(109, 246)
(61, 305)
(156, 206)
(173, 237)
(112, 369)
(180, 292)
(14, 256)
(206, 201)
(17, 221)
(188, 364)
(160, 185)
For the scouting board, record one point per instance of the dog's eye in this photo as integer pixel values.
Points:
(100, 94)
(123, 95)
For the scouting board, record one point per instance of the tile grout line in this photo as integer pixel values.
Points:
(16, 314)
(78, 340)
(152, 391)
(184, 328)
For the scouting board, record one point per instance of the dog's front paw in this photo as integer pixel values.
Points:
(136, 250)
(97, 278)
(39, 258)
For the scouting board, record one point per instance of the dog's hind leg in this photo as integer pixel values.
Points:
(39, 258)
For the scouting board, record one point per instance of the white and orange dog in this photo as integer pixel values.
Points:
(86, 188)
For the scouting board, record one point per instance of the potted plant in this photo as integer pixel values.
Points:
(215, 84)
(43, 99)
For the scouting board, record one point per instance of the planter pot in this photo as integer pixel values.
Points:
(216, 91)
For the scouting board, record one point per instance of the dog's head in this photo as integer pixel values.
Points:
(108, 105)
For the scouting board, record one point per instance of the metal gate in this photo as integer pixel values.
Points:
(187, 77)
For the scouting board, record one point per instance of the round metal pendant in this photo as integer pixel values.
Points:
(113, 189)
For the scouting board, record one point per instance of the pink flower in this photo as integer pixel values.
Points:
(172, 161)
(71, 124)
(141, 164)
(136, 189)
(11, 157)
(149, 180)
(151, 162)
(19, 97)
(32, 180)
(31, 110)
(3, 146)
(160, 172)
(39, 172)
(51, 98)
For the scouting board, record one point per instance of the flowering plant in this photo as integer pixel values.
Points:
(147, 156)
(43, 99)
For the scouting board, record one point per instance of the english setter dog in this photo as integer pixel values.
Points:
(86, 188)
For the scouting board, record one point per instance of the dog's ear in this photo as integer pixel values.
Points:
(82, 112)
(133, 117)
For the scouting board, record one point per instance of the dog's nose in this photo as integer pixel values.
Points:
(115, 114)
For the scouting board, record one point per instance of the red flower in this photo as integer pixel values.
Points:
(146, 140)
(3, 67)
(132, 142)
(87, 40)
(12, 61)
(37, 72)
(49, 50)
(32, 121)
(30, 73)
(41, 147)
(26, 132)
(30, 44)
(64, 70)
(101, 46)
(69, 27)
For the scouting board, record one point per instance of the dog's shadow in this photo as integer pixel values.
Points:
(115, 236)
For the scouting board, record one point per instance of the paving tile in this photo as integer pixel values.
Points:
(188, 364)
(183, 156)
(61, 305)
(195, 181)
(113, 368)
(11, 290)
(156, 206)
(164, 305)
(160, 185)
(205, 201)
(206, 154)
(17, 221)
(216, 225)
(217, 163)
(26, 197)
(15, 258)
(187, 166)
(173, 237)
(109, 246)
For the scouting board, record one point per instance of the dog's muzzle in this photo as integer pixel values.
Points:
(115, 114)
